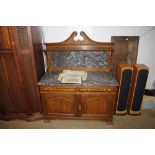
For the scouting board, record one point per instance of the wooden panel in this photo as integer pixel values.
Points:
(4, 94)
(76, 45)
(18, 75)
(126, 49)
(11, 97)
(78, 88)
(36, 33)
(15, 91)
(98, 103)
(98, 89)
(5, 51)
(27, 67)
(23, 37)
(29, 84)
(58, 103)
(56, 88)
(4, 38)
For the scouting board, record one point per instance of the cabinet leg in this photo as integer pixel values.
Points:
(110, 121)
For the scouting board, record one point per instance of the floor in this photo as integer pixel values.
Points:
(144, 121)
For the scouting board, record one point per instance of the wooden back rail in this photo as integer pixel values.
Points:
(80, 45)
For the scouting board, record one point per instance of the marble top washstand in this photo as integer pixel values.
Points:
(93, 79)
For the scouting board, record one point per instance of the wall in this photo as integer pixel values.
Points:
(146, 55)
(146, 44)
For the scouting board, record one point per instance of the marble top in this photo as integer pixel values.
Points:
(93, 79)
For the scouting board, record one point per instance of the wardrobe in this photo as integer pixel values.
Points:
(21, 67)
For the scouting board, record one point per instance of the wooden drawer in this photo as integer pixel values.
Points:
(77, 89)
(98, 89)
(59, 89)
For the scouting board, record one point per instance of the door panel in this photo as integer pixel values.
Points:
(94, 105)
(4, 94)
(28, 82)
(58, 104)
(11, 98)
(97, 104)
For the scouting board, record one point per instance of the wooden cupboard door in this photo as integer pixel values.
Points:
(26, 67)
(58, 104)
(97, 105)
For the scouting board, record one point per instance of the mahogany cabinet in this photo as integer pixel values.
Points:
(21, 66)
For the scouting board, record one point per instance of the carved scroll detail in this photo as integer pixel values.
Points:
(85, 44)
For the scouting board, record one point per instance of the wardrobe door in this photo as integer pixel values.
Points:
(19, 95)
(10, 97)
(4, 95)
(27, 67)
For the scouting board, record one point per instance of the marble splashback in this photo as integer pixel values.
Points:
(77, 59)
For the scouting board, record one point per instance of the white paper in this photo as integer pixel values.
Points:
(70, 75)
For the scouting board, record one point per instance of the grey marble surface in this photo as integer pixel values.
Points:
(93, 79)
(79, 58)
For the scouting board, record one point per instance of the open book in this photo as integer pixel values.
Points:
(69, 76)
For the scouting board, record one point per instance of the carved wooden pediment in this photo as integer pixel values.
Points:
(85, 44)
